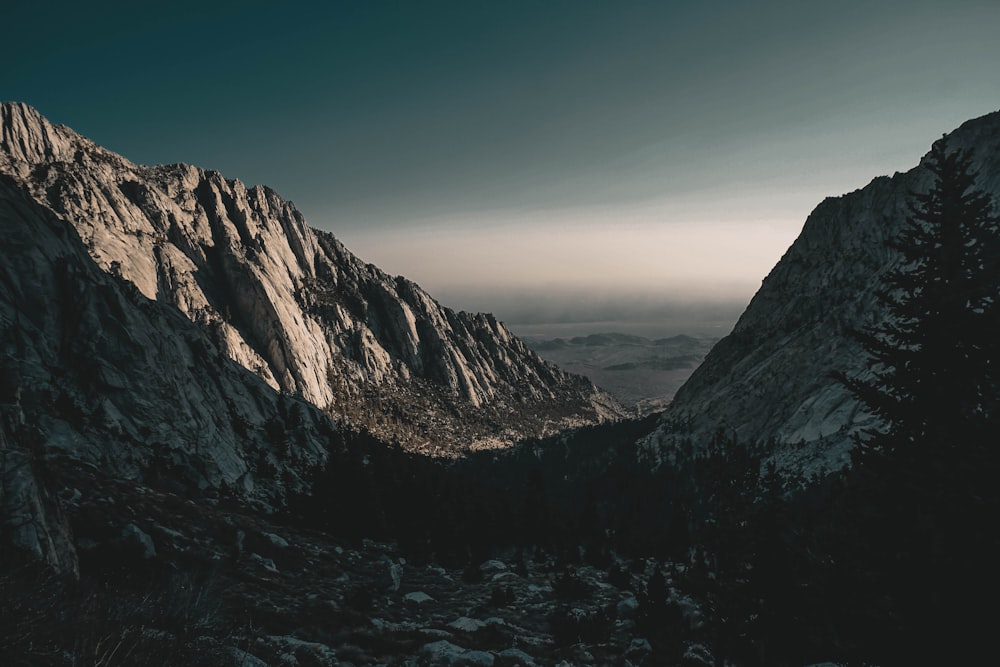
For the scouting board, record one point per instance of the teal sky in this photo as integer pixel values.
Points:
(507, 154)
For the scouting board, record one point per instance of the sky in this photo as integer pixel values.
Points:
(545, 160)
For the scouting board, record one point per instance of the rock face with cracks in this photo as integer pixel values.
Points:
(290, 303)
(95, 371)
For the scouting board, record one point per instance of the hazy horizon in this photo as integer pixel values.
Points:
(559, 160)
(551, 314)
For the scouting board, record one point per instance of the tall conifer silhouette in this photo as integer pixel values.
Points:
(933, 360)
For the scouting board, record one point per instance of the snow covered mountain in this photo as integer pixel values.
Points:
(770, 378)
(287, 302)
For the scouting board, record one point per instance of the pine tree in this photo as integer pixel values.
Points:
(917, 544)
(933, 361)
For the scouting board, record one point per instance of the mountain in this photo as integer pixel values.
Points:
(171, 491)
(770, 378)
(168, 495)
(287, 302)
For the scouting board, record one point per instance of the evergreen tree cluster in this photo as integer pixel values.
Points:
(918, 520)
(934, 381)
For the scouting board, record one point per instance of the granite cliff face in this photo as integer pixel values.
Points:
(96, 372)
(98, 379)
(769, 379)
(290, 303)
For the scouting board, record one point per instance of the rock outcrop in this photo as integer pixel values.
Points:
(33, 526)
(290, 303)
(95, 371)
(770, 378)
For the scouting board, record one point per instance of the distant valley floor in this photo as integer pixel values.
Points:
(642, 372)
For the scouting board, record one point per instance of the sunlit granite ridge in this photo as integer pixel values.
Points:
(290, 303)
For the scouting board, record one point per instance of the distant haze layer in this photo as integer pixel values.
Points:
(576, 266)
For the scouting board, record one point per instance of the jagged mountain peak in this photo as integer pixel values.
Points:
(28, 137)
(291, 303)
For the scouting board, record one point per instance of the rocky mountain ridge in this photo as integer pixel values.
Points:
(290, 303)
(770, 378)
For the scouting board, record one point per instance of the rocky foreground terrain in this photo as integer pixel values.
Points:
(171, 580)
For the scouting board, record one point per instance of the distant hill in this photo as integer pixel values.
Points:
(641, 372)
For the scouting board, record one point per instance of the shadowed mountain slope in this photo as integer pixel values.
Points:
(770, 378)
